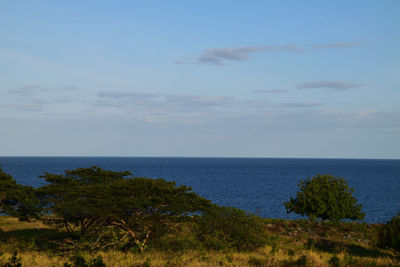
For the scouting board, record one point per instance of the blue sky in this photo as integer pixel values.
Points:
(204, 78)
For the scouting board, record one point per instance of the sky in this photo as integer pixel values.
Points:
(296, 79)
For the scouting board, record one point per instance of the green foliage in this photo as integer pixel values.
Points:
(73, 199)
(325, 197)
(141, 207)
(146, 263)
(107, 208)
(79, 260)
(349, 260)
(310, 244)
(180, 239)
(224, 227)
(389, 235)
(302, 261)
(274, 246)
(15, 199)
(258, 262)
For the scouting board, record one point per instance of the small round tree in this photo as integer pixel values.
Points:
(325, 197)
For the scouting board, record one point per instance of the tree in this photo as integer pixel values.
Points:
(95, 203)
(73, 198)
(140, 206)
(325, 197)
(15, 199)
(389, 235)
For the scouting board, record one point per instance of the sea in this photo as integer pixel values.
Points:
(257, 185)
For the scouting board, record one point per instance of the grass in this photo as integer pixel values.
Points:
(292, 243)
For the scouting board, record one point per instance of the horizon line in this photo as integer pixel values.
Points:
(216, 157)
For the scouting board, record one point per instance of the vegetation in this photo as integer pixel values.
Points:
(389, 235)
(93, 217)
(349, 244)
(15, 199)
(106, 208)
(325, 197)
(227, 227)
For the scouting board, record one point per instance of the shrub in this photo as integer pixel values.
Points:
(79, 260)
(258, 262)
(389, 235)
(146, 263)
(231, 228)
(325, 197)
(334, 261)
(177, 241)
(349, 260)
(310, 244)
(302, 261)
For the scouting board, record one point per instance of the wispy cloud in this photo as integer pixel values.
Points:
(299, 105)
(273, 91)
(329, 85)
(199, 100)
(119, 95)
(70, 87)
(219, 56)
(338, 45)
(32, 105)
(27, 90)
(167, 103)
(36, 98)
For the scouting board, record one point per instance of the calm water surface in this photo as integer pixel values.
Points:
(259, 185)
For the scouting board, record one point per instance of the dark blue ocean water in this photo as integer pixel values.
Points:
(259, 185)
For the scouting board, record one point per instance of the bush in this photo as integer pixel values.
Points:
(325, 197)
(302, 261)
(334, 261)
(310, 244)
(183, 238)
(389, 235)
(227, 227)
(83, 261)
(258, 262)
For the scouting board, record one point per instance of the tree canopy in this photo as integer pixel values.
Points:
(325, 197)
(92, 200)
(15, 199)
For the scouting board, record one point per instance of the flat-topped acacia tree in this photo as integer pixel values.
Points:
(73, 198)
(93, 201)
(15, 199)
(325, 197)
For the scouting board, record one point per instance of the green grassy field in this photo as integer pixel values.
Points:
(291, 243)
